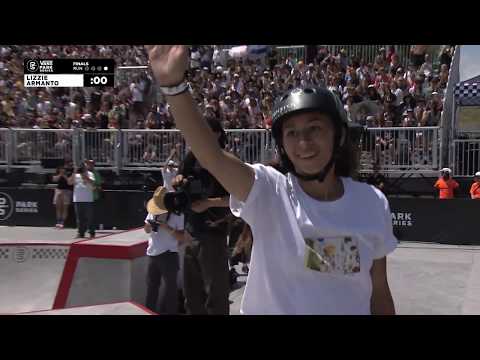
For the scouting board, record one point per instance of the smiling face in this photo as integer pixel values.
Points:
(308, 140)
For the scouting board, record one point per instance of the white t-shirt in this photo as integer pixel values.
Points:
(137, 95)
(168, 177)
(315, 258)
(83, 192)
(162, 241)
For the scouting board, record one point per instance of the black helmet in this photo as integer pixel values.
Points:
(301, 100)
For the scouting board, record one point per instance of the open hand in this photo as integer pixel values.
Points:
(168, 62)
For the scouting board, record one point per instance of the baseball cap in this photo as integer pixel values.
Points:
(477, 174)
(171, 163)
(446, 170)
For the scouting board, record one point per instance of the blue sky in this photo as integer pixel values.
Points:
(469, 61)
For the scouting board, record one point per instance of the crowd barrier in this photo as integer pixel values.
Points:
(413, 219)
(452, 222)
(466, 157)
(397, 149)
(394, 149)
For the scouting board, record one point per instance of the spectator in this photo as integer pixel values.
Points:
(169, 172)
(102, 115)
(63, 196)
(475, 188)
(84, 183)
(427, 66)
(391, 53)
(446, 56)
(377, 179)
(418, 53)
(446, 185)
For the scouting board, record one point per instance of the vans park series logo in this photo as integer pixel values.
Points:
(6, 206)
(402, 219)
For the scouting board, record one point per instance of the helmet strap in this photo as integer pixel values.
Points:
(320, 176)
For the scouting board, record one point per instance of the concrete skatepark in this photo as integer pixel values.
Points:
(43, 271)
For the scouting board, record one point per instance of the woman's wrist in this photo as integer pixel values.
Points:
(173, 90)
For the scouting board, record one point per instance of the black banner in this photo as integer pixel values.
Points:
(34, 207)
(453, 222)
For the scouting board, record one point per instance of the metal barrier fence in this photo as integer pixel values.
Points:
(30, 146)
(394, 149)
(298, 52)
(103, 146)
(251, 146)
(150, 148)
(414, 149)
(3, 145)
(369, 52)
(466, 157)
(366, 52)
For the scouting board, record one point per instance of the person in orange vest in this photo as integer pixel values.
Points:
(445, 184)
(475, 188)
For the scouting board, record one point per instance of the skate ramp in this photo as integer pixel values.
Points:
(123, 308)
(44, 269)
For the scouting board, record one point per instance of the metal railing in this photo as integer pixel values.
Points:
(30, 146)
(369, 52)
(251, 146)
(297, 51)
(4, 136)
(101, 145)
(466, 157)
(412, 149)
(394, 149)
(149, 148)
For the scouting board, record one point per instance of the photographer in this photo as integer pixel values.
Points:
(162, 251)
(206, 273)
(84, 185)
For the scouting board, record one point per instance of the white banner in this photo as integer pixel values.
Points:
(53, 80)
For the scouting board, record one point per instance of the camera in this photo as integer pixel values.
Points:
(180, 200)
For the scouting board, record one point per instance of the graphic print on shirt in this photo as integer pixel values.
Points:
(336, 255)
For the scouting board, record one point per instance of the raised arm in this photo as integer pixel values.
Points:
(169, 63)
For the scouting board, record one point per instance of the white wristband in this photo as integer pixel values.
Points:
(174, 90)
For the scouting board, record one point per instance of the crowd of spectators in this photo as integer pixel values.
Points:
(66, 108)
(384, 93)
(238, 91)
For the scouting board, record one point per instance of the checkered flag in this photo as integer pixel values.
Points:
(467, 94)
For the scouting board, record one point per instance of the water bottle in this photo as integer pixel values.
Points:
(101, 226)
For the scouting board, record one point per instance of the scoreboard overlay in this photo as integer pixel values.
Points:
(69, 72)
